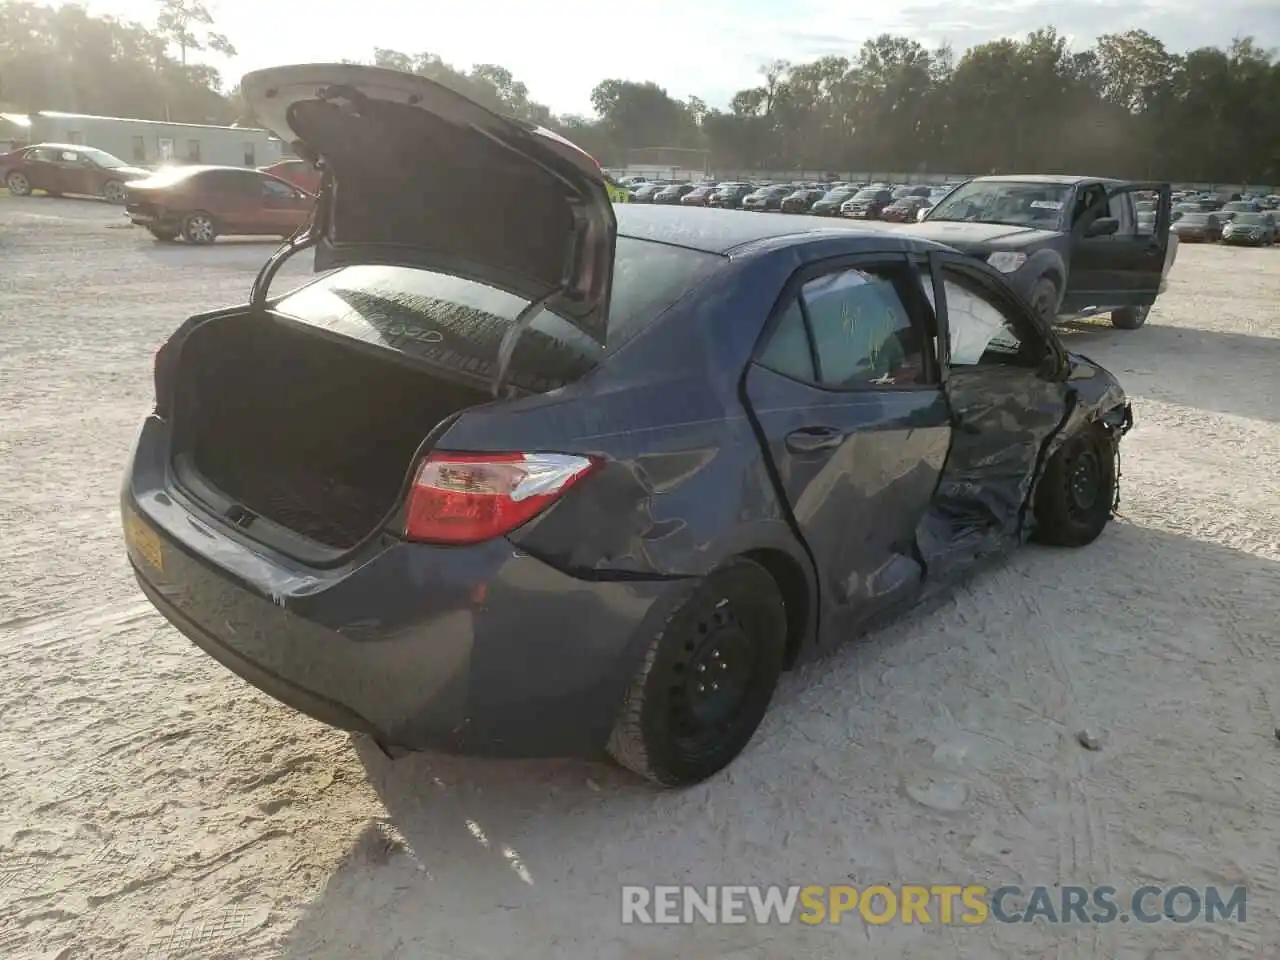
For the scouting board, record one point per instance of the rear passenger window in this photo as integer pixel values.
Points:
(862, 331)
(788, 350)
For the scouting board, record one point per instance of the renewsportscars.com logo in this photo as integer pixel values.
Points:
(933, 904)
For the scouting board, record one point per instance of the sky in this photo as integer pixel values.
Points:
(561, 48)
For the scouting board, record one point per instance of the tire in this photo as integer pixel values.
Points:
(1076, 495)
(1044, 298)
(164, 236)
(672, 729)
(113, 191)
(18, 184)
(1129, 318)
(199, 227)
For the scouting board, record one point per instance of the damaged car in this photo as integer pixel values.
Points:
(558, 477)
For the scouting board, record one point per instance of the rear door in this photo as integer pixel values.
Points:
(845, 395)
(1002, 371)
(40, 168)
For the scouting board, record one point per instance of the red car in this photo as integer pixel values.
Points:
(200, 203)
(58, 168)
(298, 172)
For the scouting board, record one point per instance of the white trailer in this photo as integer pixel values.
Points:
(155, 142)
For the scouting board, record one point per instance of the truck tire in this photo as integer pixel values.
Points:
(1129, 318)
(1044, 298)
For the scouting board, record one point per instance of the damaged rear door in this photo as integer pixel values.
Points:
(846, 399)
(1003, 376)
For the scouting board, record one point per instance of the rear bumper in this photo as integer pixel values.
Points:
(481, 649)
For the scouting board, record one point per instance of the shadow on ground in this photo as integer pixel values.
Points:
(1189, 357)
(939, 748)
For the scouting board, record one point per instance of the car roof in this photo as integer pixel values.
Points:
(722, 231)
(62, 146)
(1043, 178)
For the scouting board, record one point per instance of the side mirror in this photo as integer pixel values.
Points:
(922, 213)
(1102, 227)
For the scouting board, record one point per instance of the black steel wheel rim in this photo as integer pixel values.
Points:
(711, 681)
(1084, 483)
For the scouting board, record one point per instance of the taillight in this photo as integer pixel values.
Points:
(163, 377)
(469, 497)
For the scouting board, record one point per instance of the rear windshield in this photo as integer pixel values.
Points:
(459, 323)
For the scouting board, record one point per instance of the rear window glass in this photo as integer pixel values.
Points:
(459, 323)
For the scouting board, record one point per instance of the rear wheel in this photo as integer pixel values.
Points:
(1077, 492)
(706, 680)
(1129, 318)
(199, 227)
(18, 184)
(1044, 299)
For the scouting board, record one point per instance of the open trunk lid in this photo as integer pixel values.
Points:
(417, 175)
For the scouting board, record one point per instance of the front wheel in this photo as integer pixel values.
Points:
(199, 228)
(18, 184)
(163, 235)
(1129, 318)
(706, 680)
(1044, 299)
(113, 191)
(1077, 493)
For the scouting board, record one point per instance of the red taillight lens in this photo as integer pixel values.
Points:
(470, 497)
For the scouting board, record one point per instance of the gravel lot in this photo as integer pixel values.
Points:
(156, 806)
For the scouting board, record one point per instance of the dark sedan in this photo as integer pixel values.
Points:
(58, 168)
(729, 196)
(528, 491)
(767, 198)
(904, 209)
(802, 200)
(828, 205)
(201, 203)
(699, 196)
(674, 192)
(1198, 228)
(646, 192)
(1251, 229)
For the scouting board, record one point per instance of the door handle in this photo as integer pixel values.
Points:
(813, 439)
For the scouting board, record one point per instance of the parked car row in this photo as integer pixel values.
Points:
(193, 202)
(898, 203)
(1249, 228)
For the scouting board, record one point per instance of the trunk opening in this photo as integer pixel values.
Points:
(307, 432)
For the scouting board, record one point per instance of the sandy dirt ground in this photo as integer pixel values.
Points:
(155, 806)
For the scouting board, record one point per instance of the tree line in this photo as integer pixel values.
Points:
(1127, 107)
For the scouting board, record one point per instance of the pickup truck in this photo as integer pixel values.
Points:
(1073, 246)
